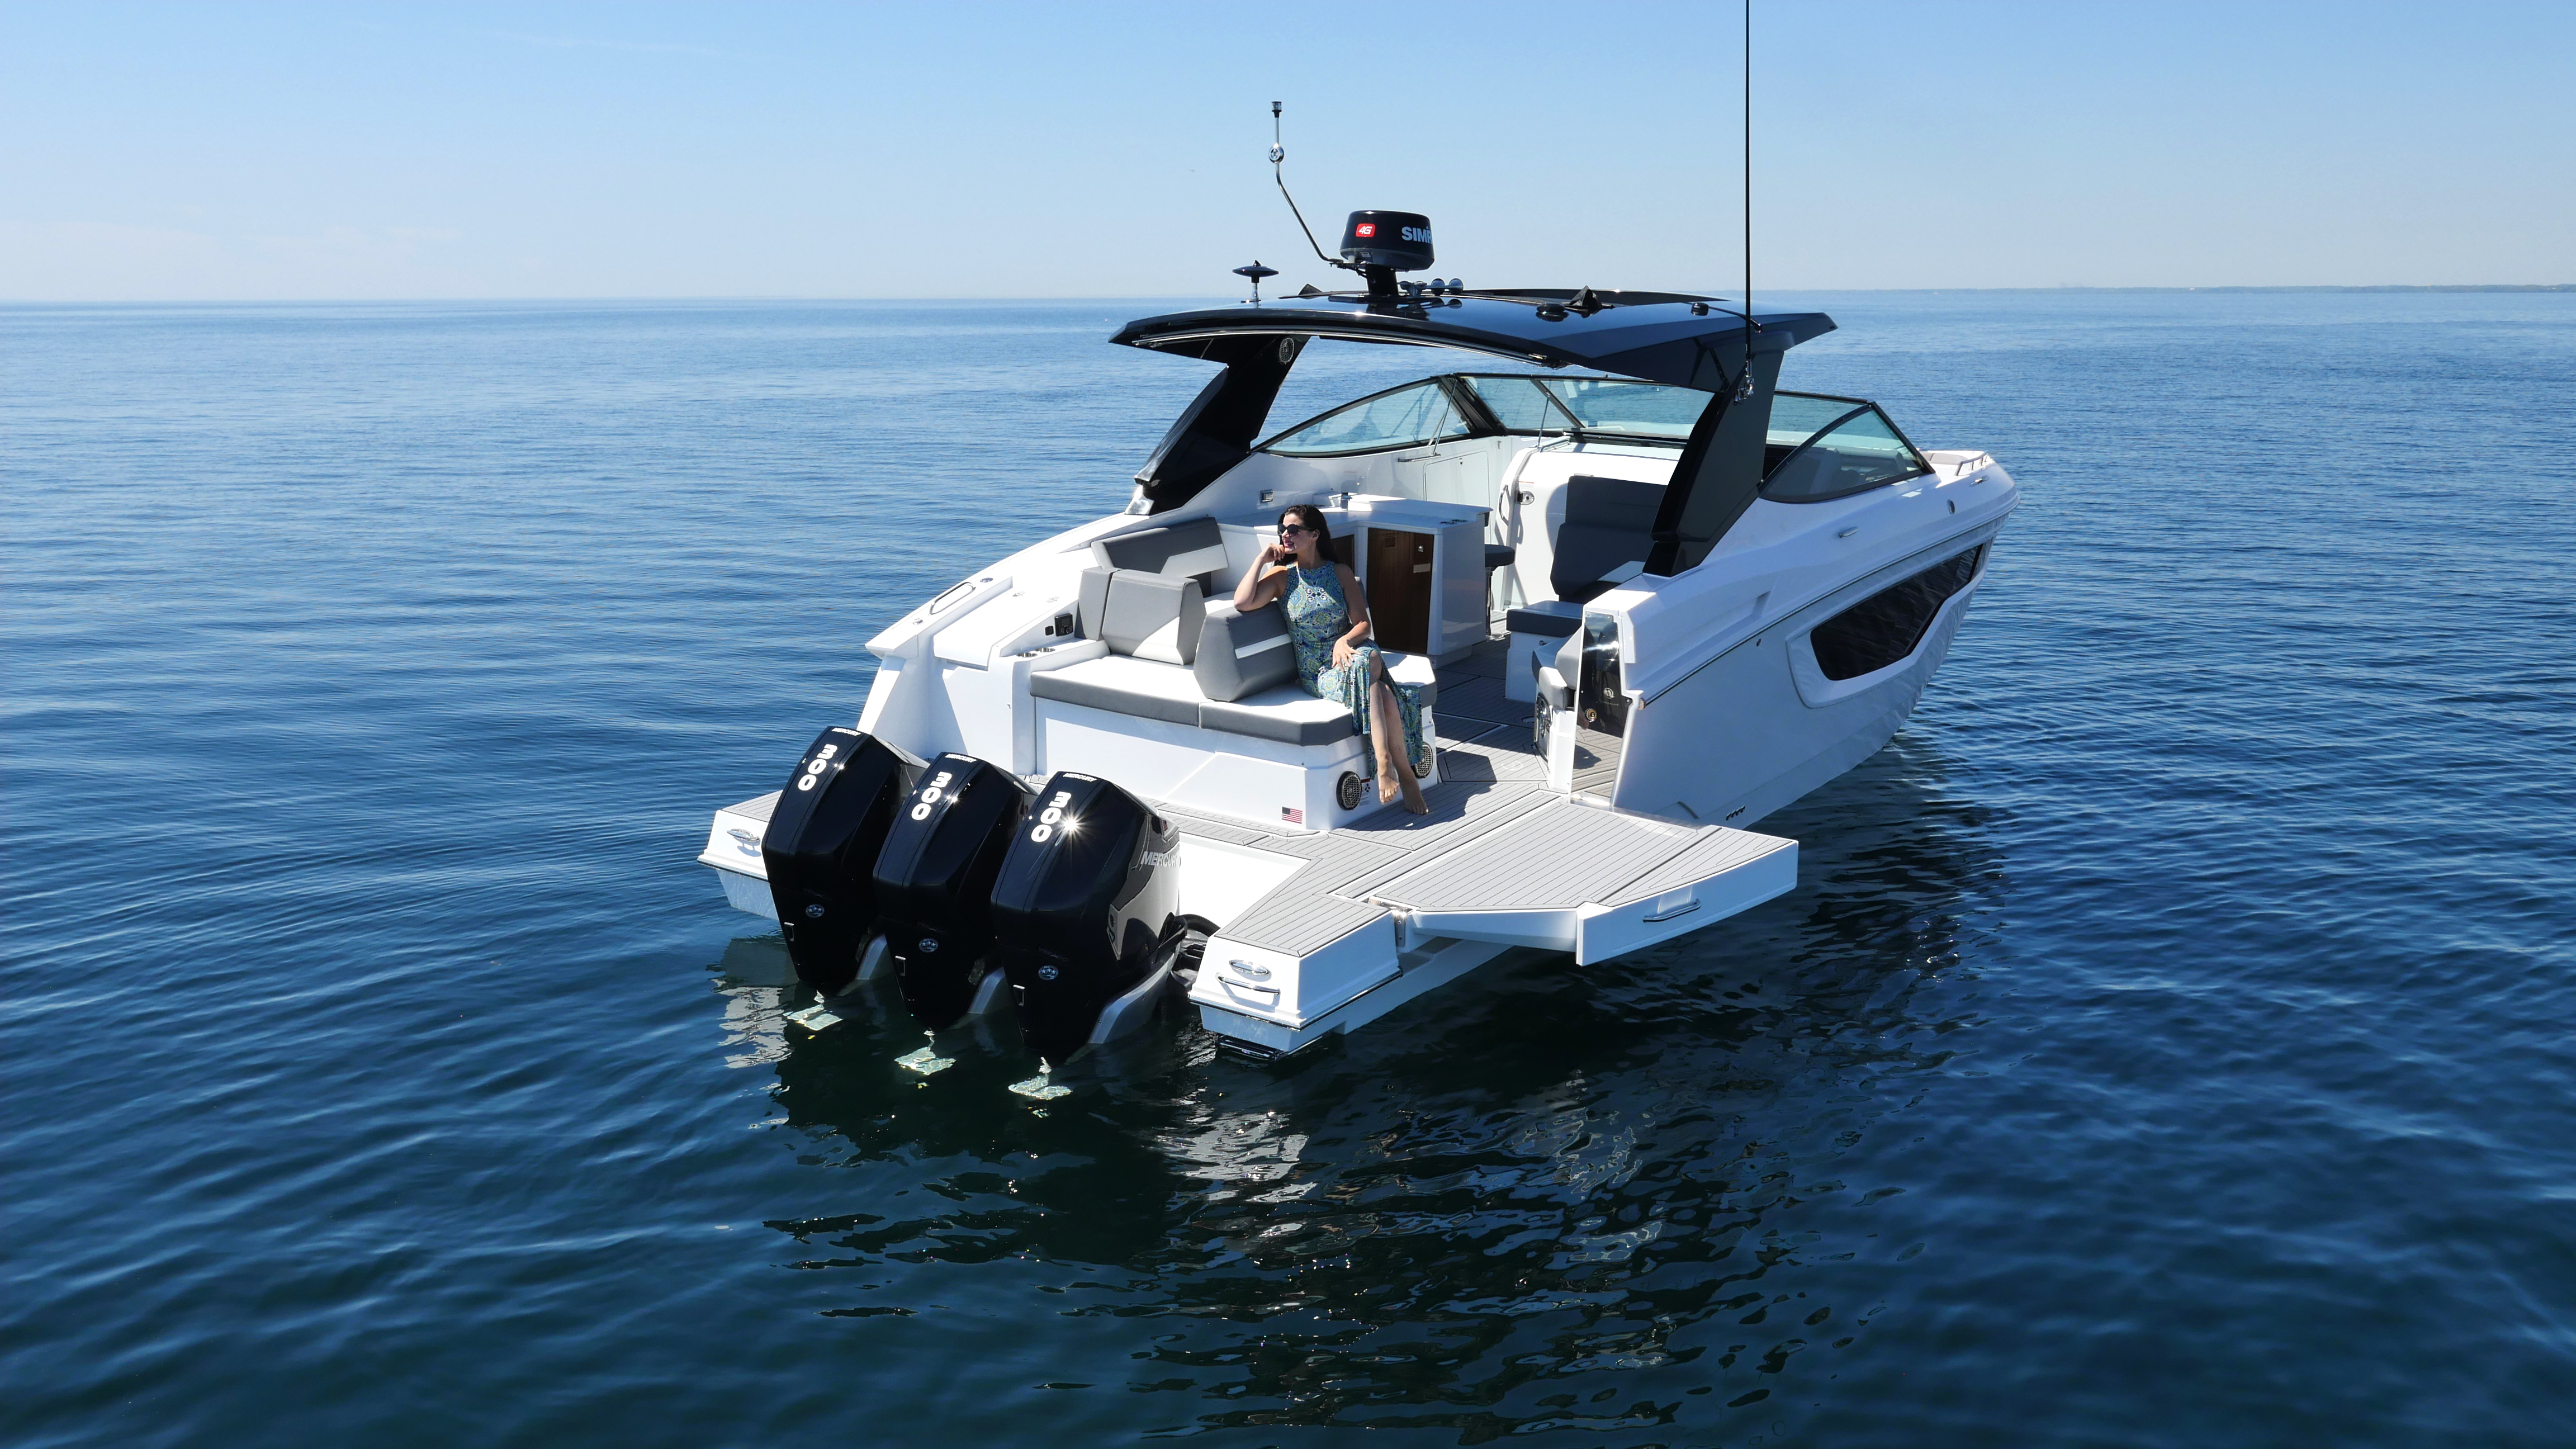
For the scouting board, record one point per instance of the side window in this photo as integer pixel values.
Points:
(1421, 413)
(1889, 625)
(1798, 416)
(1824, 448)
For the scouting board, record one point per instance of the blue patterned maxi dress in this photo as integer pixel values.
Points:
(1318, 615)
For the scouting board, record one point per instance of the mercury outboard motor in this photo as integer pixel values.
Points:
(1089, 891)
(821, 852)
(934, 882)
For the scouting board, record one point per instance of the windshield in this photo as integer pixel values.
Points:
(1609, 405)
(1420, 413)
(1519, 405)
(1639, 409)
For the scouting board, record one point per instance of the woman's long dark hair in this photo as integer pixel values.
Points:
(1313, 517)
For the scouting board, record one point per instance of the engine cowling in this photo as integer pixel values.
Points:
(821, 852)
(1088, 891)
(934, 882)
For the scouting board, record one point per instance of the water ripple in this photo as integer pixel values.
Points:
(2168, 1043)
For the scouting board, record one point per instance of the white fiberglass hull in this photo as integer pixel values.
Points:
(1328, 909)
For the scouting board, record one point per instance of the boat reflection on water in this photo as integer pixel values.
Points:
(1661, 1178)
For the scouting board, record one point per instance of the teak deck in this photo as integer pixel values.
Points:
(1496, 839)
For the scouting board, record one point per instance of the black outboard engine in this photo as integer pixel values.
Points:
(1086, 897)
(821, 852)
(934, 882)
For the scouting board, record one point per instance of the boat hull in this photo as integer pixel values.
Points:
(1760, 725)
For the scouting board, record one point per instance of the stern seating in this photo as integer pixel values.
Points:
(1173, 658)
(1143, 689)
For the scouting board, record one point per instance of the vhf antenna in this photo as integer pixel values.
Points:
(1744, 384)
(1279, 153)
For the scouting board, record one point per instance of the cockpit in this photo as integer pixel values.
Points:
(1568, 476)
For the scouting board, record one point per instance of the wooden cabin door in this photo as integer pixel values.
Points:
(1399, 589)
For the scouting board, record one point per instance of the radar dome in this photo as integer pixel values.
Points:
(1399, 241)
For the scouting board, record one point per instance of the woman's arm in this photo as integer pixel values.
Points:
(1260, 583)
(1357, 602)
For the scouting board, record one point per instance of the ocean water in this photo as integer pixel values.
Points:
(2172, 1041)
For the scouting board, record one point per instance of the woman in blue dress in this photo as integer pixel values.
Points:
(1328, 621)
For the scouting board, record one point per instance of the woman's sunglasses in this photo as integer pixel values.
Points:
(1286, 529)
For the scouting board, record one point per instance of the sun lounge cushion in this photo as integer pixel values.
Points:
(1242, 654)
(1183, 550)
(1609, 524)
(1113, 691)
(1285, 713)
(1151, 616)
(1146, 690)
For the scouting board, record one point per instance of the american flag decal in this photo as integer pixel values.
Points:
(1292, 814)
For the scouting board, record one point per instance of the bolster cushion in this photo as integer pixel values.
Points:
(1242, 654)
(1182, 550)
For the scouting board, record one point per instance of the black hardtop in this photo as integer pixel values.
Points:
(1667, 337)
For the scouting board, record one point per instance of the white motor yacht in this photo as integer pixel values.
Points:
(1646, 598)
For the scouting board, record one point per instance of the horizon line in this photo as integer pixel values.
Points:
(724, 297)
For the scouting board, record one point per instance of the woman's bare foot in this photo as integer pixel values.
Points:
(1413, 801)
(1387, 774)
(1394, 776)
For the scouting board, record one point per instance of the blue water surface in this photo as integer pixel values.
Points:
(2172, 1041)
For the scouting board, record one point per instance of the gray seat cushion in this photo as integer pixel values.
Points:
(1184, 550)
(1144, 690)
(1552, 620)
(1608, 522)
(1073, 688)
(1151, 616)
(1240, 654)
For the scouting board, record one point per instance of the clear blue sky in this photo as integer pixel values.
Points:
(889, 151)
